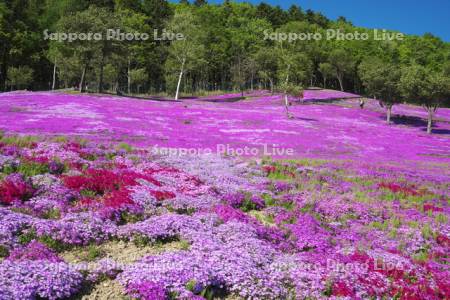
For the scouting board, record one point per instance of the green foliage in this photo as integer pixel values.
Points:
(393, 233)
(248, 205)
(111, 75)
(60, 139)
(342, 63)
(53, 244)
(138, 77)
(141, 240)
(184, 245)
(421, 256)
(26, 168)
(268, 199)
(53, 213)
(381, 79)
(20, 141)
(92, 253)
(378, 225)
(26, 237)
(124, 146)
(396, 222)
(224, 48)
(88, 194)
(85, 53)
(4, 252)
(126, 217)
(191, 284)
(207, 293)
(425, 87)
(185, 53)
(20, 77)
(31, 168)
(441, 218)
(262, 217)
(427, 232)
(327, 71)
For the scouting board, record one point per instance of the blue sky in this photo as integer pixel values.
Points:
(408, 16)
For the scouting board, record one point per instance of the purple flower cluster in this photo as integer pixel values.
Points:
(234, 200)
(76, 228)
(147, 290)
(308, 234)
(37, 279)
(11, 226)
(34, 251)
(168, 226)
(338, 230)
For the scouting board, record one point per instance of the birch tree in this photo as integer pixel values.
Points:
(293, 72)
(186, 51)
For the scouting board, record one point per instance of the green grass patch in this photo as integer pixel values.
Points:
(19, 141)
(53, 214)
(92, 253)
(421, 256)
(124, 146)
(427, 232)
(27, 168)
(4, 252)
(441, 218)
(379, 225)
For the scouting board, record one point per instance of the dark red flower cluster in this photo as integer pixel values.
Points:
(396, 188)
(111, 187)
(432, 207)
(103, 181)
(11, 191)
(118, 199)
(269, 169)
(162, 195)
(36, 159)
(404, 284)
(443, 240)
(285, 170)
(340, 289)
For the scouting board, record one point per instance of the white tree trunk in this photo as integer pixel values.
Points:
(388, 114)
(286, 100)
(179, 80)
(430, 120)
(339, 77)
(82, 81)
(286, 104)
(54, 76)
(129, 77)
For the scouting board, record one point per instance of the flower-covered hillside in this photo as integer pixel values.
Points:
(317, 131)
(76, 217)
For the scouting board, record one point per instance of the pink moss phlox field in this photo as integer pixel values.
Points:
(317, 130)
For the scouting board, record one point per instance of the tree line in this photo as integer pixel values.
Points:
(224, 47)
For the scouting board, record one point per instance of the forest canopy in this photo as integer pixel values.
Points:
(197, 47)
